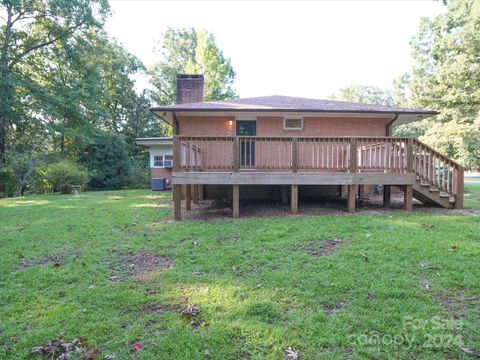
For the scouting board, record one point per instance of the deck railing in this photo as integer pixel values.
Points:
(318, 154)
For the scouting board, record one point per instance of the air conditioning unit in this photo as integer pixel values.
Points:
(159, 184)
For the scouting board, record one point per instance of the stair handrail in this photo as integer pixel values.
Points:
(451, 183)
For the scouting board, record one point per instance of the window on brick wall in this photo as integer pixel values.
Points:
(293, 123)
(163, 161)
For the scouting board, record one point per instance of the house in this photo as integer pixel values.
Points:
(286, 147)
(161, 160)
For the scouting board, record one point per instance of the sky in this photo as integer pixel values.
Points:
(294, 48)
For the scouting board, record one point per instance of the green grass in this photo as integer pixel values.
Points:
(259, 289)
(472, 196)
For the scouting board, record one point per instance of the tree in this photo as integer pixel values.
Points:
(446, 71)
(446, 76)
(191, 51)
(106, 158)
(31, 26)
(364, 94)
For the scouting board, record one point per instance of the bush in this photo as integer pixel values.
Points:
(106, 158)
(62, 175)
(7, 181)
(139, 176)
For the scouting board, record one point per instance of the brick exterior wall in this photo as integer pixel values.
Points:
(273, 126)
(161, 173)
(278, 153)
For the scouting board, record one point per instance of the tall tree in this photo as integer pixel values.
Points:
(364, 94)
(446, 76)
(191, 51)
(30, 26)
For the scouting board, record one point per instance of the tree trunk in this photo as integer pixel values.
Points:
(3, 139)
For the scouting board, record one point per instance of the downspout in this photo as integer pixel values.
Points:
(176, 124)
(388, 129)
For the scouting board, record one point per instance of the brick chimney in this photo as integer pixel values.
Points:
(189, 88)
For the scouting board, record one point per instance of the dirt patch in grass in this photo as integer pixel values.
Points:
(227, 239)
(141, 265)
(61, 349)
(54, 260)
(321, 247)
(458, 303)
(332, 309)
(160, 308)
(222, 209)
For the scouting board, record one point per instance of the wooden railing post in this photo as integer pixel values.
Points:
(294, 155)
(176, 153)
(409, 155)
(177, 189)
(459, 179)
(353, 155)
(236, 154)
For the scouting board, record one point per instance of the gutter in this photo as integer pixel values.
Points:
(176, 124)
(388, 129)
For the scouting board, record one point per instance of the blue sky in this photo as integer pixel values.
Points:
(296, 48)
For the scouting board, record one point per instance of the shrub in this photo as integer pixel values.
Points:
(7, 181)
(139, 174)
(63, 174)
(106, 158)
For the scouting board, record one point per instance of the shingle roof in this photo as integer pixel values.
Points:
(288, 103)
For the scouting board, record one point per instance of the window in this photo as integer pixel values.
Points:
(293, 123)
(163, 161)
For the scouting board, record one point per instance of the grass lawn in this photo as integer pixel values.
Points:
(113, 268)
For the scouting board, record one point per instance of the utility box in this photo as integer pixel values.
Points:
(159, 184)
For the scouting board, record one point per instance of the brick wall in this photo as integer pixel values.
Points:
(278, 153)
(161, 173)
(273, 126)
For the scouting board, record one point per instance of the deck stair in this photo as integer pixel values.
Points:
(439, 180)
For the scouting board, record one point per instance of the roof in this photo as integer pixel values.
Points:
(289, 104)
(159, 140)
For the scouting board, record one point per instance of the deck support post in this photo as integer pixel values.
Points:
(188, 197)
(408, 198)
(195, 194)
(236, 201)
(294, 200)
(177, 202)
(459, 180)
(351, 198)
(386, 195)
(200, 191)
(361, 192)
(284, 192)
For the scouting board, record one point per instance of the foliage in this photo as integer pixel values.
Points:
(7, 181)
(364, 94)
(459, 141)
(105, 156)
(139, 172)
(446, 71)
(191, 51)
(445, 77)
(31, 27)
(259, 289)
(62, 175)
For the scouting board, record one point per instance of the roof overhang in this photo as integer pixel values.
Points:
(401, 117)
(151, 141)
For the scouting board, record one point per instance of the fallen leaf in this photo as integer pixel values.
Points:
(291, 354)
(191, 310)
(364, 256)
(453, 248)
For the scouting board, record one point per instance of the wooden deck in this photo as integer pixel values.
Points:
(236, 160)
